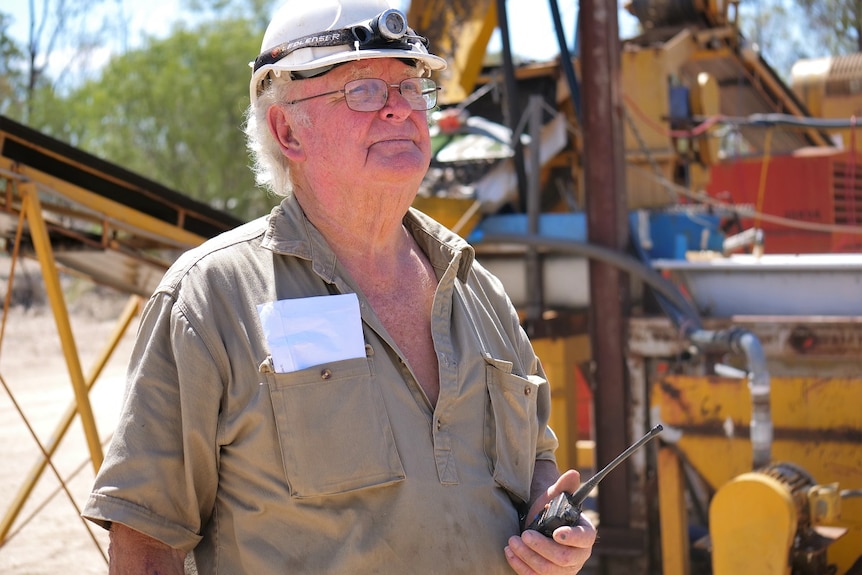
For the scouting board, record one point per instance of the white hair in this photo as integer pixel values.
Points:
(270, 167)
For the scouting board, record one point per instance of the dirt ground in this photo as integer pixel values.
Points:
(48, 536)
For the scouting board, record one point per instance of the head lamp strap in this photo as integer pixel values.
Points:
(318, 40)
(359, 36)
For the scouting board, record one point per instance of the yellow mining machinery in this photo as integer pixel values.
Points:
(759, 469)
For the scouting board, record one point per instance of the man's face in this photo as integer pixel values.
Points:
(340, 145)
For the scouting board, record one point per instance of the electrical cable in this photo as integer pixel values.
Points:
(703, 126)
(764, 169)
(744, 211)
(705, 123)
(687, 314)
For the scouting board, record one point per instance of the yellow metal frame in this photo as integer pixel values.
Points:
(22, 196)
(815, 422)
(115, 214)
(48, 199)
(459, 31)
(31, 213)
(674, 524)
(560, 356)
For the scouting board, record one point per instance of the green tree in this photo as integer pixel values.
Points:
(172, 111)
(766, 26)
(837, 23)
(785, 31)
(11, 76)
(63, 35)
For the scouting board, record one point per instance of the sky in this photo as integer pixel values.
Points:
(532, 32)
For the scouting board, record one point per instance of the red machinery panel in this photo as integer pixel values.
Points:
(823, 187)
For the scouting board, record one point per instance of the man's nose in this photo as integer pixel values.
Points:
(396, 105)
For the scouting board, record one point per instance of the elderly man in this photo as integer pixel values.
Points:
(338, 387)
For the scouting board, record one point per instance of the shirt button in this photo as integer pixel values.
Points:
(439, 425)
(528, 390)
(325, 374)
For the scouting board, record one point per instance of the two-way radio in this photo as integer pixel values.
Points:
(565, 508)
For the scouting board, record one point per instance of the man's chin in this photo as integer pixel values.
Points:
(405, 161)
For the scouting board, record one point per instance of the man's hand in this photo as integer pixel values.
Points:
(133, 553)
(534, 554)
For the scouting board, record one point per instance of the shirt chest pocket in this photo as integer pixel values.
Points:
(333, 429)
(511, 426)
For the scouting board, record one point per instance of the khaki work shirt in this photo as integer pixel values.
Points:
(338, 468)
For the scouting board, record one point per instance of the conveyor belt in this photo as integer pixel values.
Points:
(107, 223)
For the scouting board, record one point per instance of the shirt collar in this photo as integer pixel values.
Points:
(442, 246)
(290, 232)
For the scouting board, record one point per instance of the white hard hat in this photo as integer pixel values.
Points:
(310, 35)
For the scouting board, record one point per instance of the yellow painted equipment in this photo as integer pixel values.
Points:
(801, 515)
(761, 521)
(758, 519)
(831, 88)
(458, 214)
(458, 30)
(560, 357)
(758, 544)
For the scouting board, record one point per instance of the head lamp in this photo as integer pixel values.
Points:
(391, 26)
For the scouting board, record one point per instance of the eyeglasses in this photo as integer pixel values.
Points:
(371, 94)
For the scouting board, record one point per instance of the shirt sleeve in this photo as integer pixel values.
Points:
(160, 473)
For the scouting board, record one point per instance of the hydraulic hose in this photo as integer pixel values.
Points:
(566, 57)
(687, 319)
(625, 262)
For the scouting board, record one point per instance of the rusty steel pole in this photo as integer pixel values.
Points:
(607, 226)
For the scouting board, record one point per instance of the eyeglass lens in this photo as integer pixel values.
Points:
(370, 94)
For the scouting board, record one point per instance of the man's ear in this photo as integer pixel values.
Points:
(281, 128)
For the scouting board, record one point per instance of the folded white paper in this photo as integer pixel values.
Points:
(309, 331)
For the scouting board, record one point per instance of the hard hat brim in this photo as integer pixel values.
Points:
(340, 57)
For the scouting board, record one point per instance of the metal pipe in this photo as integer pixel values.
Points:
(749, 237)
(761, 413)
(534, 207)
(735, 340)
(512, 109)
(605, 185)
(743, 341)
